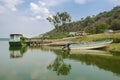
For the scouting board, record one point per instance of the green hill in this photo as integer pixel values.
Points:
(91, 24)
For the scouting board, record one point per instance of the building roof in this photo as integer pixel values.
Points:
(72, 33)
(16, 34)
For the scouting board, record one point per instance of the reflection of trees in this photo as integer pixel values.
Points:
(17, 51)
(106, 62)
(59, 66)
(110, 63)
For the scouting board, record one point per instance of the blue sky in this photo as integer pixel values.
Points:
(29, 16)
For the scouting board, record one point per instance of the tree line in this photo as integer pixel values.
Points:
(91, 24)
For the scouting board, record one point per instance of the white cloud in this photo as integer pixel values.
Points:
(40, 10)
(10, 4)
(34, 7)
(22, 24)
(2, 9)
(54, 2)
(37, 9)
(115, 2)
(80, 1)
(42, 3)
(38, 17)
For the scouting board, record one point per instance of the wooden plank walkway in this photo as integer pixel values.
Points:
(38, 42)
(35, 43)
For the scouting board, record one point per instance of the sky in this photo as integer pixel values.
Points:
(29, 16)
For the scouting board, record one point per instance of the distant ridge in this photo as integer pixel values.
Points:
(4, 39)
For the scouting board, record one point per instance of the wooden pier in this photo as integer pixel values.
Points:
(37, 43)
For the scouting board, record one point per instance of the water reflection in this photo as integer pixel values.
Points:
(109, 63)
(60, 66)
(100, 59)
(106, 61)
(17, 51)
(47, 63)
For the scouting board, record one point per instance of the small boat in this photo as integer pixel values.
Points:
(90, 45)
(15, 40)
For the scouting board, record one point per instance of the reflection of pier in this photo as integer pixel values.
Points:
(17, 52)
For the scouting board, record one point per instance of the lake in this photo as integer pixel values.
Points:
(46, 63)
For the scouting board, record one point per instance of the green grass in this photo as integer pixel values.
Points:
(56, 35)
(114, 48)
(96, 37)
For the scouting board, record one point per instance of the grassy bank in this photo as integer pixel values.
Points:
(96, 37)
(90, 38)
(112, 48)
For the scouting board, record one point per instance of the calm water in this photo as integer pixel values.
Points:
(23, 63)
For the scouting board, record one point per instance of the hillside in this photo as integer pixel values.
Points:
(91, 24)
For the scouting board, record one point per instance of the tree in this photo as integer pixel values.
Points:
(115, 24)
(101, 27)
(59, 19)
(116, 8)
